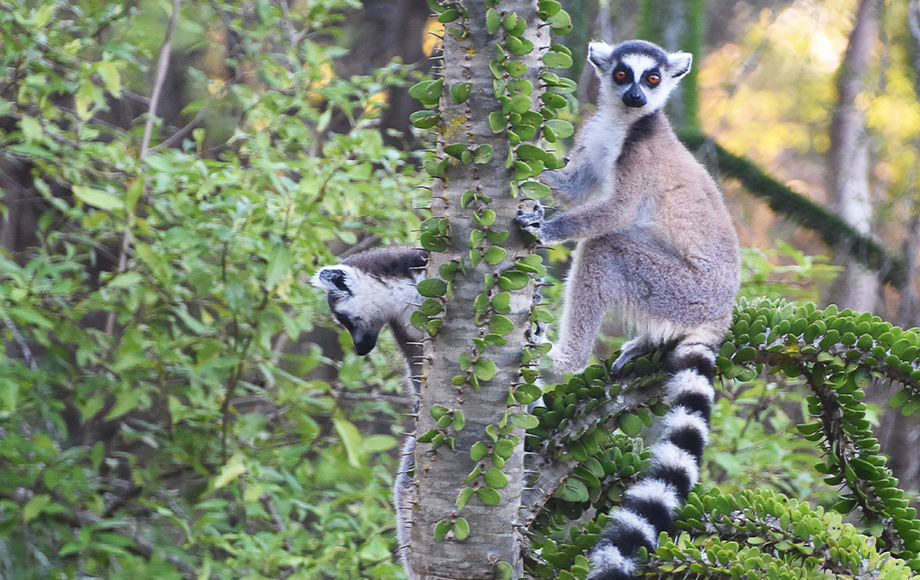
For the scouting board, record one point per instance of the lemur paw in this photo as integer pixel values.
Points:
(536, 334)
(532, 221)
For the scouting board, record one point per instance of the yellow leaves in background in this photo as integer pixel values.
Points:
(777, 83)
(327, 73)
(375, 103)
(431, 34)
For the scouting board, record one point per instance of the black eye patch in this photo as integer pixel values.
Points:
(336, 278)
(652, 77)
(622, 75)
(345, 321)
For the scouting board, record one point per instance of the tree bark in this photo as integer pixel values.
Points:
(441, 470)
(677, 25)
(849, 156)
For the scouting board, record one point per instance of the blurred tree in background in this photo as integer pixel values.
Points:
(173, 401)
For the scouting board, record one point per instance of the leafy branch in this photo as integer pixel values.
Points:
(836, 352)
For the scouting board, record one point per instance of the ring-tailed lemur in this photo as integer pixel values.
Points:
(366, 292)
(657, 245)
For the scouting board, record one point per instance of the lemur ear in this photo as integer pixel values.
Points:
(331, 278)
(599, 54)
(679, 64)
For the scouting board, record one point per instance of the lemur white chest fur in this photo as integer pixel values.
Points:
(657, 246)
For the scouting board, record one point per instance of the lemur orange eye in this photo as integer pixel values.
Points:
(620, 75)
(654, 79)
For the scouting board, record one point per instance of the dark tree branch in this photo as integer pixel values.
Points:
(832, 229)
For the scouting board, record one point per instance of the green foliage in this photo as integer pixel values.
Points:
(760, 441)
(802, 279)
(756, 534)
(154, 423)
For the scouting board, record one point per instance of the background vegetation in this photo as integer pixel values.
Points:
(174, 399)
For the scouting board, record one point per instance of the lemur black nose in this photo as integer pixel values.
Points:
(634, 97)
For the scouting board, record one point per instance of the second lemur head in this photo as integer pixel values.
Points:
(636, 76)
(372, 289)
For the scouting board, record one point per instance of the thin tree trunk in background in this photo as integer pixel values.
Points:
(849, 157)
(897, 432)
(909, 311)
(677, 25)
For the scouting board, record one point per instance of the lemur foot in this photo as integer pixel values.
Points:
(536, 334)
(532, 221)
(631, 349)
(566, 362)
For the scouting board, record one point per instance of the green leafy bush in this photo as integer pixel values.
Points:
(154, 416)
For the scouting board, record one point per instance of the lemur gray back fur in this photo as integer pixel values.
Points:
(366, 292)
(656, 245)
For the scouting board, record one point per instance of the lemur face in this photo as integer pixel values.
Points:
(352, 304)
(639, 74)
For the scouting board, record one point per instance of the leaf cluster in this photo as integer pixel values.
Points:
(154, 416)
(757, 533)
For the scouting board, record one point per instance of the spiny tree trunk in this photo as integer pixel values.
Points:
(849, 156)
(468, 374)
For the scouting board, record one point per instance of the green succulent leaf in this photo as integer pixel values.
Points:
(431, 287)
(441, 528)
(427, 91)
(455, 150)
(494, 478)
(488, 496)
(460, 92)
(449, 15)
(501, 325)
(463, 497)
(629, 424)
(497, 122)
(503, 570)
(524, 420)
(494, 255)
(555, 59)
(461, 529)
(562, 129)
(535, 189)
(484, 369)
(493, 21)
(516, 68)
(424, 119)
(478, 451)
(482, 154)
(501, 302)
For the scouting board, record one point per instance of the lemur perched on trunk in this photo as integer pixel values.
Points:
(657, 245)
(366, 292)
(377, 288)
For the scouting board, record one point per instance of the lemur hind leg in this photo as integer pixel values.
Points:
(596, 277)
(662, 297)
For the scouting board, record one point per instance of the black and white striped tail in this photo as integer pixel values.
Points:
(648, 508)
